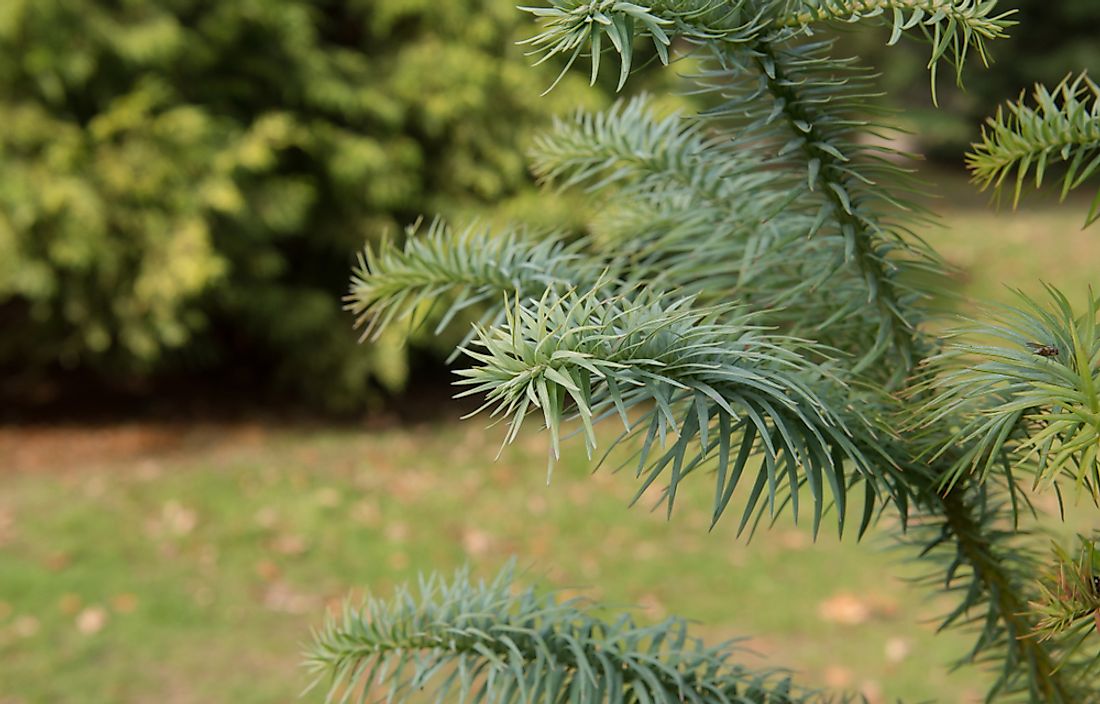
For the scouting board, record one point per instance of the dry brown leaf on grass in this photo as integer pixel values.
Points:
(91, 620)
(844, 608)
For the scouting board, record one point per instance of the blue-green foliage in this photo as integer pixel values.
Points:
(457, 640)
(771, 200)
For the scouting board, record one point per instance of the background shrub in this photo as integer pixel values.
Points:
(185, 182)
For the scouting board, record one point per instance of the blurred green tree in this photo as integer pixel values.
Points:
(182, 180)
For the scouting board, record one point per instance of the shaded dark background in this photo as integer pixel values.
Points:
(184, 183)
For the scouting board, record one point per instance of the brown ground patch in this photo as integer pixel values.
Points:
(52, 448)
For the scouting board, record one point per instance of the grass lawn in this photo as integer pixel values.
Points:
(186, 564)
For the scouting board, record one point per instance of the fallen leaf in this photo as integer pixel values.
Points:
(91, 620)
(25, 626)
(365, 513)
(95, 487)
(397, 532)
(124, 603)
(70, 603)
(844, 608)
(476, 542)
(883, 605)
(794, 539)
(267, 570)
(267, 517)
(7, 526)
(289, 544)
(208, 557)
(580, 495)
(897, 649)
(837, 677)
(410, 486)
(178, 519)
(58, 561)
(871, 691)
(149, 469)
(652, 606)
(203, 595)
(536, 505)
(328, 497)
(281, 597)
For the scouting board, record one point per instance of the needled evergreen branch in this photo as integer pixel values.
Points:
(976, 19)
(489, 642)
(970, 528)
(575, 27)
(804, 104)
(681, 217)
(839, 186)
(710, 378)
(470, 267)
(713, 389)
(1022, 390)
(974, 535)
(1061, 129)
(630, 147)
(952, 27)
(678, 211)
(982, 559)
(1069, 605)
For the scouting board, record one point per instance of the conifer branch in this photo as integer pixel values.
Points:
(489, 642)
(628, 146)
(464, 268)
(587, 27)
(572, 344)
(969, 533)
(1062, 129)
(838, 185)
(677, 207)
(1001, 571)
(804, 105)
(1022, 390)
(1069, 603)
(952, 27)
(977, 555)
(711, 379)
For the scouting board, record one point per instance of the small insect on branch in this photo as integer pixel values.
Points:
(1042, 350)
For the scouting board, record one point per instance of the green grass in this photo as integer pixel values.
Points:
(222, 556)
(997, 249)
(192, 569)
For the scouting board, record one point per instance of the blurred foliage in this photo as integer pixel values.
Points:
(183, 183)
(1050, 41)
